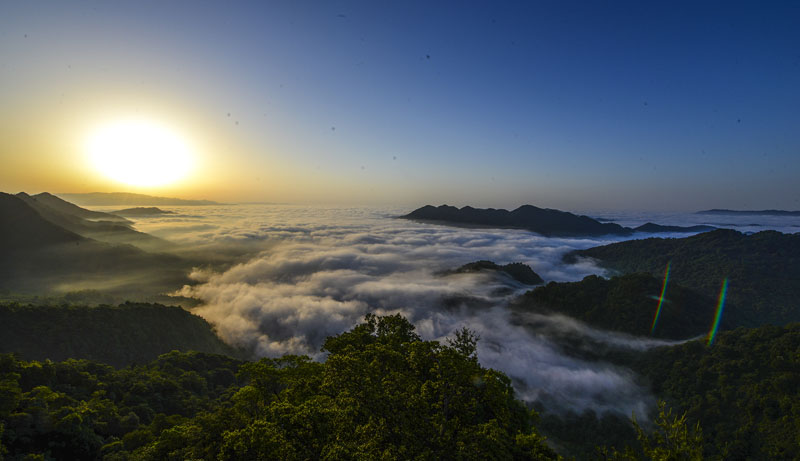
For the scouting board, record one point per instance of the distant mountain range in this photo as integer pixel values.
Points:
(545, 221)
(142, 211)
(104, 227)
(717, 211)
(129, 199)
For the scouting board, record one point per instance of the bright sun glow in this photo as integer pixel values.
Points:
(139, 153)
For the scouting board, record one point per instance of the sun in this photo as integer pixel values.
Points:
(139, 153)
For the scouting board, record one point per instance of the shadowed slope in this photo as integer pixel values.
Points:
(66, 207)
(109, 228)
(763, 269)
(627, 304)
(39, 255)
(21, 227)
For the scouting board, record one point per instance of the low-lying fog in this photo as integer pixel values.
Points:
(315, 272)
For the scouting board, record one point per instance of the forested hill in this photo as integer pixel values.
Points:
(744, 390)
(763, 269)
(119, 336)
(628, 304)
(520, 272)
(384, 393)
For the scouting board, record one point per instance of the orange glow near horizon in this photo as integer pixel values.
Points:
(139, 153)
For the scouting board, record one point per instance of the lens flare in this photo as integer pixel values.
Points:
(661, 299)
(722, 292)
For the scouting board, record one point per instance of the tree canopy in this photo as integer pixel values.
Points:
(382, 393)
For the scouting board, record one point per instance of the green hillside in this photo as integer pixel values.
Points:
(763, 269)
(744, 390)
(119, 336)
(627, 304)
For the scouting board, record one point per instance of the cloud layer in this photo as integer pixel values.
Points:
(279, 279)
(320, 271)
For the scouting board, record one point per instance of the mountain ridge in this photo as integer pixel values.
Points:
(548, 222)
(104, 227)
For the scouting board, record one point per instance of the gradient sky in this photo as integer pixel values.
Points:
(572, 105)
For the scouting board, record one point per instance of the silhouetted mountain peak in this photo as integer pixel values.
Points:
(543, 221)
(22, 227)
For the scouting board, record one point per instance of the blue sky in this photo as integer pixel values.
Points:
(573, 105)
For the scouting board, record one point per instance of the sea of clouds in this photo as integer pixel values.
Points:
(302, 274)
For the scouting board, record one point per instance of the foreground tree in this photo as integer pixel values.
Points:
(382, 393)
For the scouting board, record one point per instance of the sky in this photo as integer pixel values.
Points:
(571, 105)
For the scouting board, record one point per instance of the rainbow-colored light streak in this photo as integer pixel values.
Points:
(661, 299)
(722, 292)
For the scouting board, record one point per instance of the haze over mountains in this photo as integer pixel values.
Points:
(105, 227)
(141, 211)
(51, 245)
(544, 221)
(127, 198)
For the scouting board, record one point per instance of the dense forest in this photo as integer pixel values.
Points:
(744, 390)
(382, 393)
(116, 335)
(763, 269)
(628, 304)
